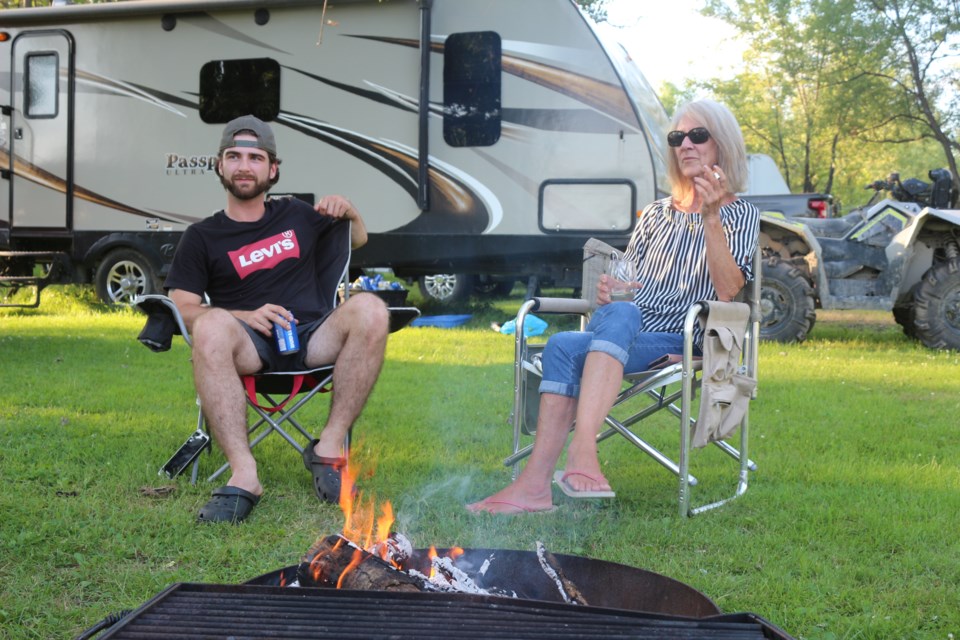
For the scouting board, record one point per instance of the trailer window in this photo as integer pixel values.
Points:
(40, 90)
(233, 88)
(471, 89)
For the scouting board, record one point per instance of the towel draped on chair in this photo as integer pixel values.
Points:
(725, 388)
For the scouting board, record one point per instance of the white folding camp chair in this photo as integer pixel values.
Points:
(274, 398)
(670, 386)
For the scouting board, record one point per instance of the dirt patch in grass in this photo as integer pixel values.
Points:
(856, 319)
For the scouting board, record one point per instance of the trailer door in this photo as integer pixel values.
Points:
(41, 149)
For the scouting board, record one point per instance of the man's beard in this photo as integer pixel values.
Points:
(248, 192)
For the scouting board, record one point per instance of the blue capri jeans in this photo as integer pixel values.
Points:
(615, 329)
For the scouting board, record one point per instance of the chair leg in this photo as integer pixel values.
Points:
(201, 425)
(646, 447)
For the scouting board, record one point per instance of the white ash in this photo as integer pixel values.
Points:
(547, 569)
(485, 565)
(396, 549)
(428, 584)
(446, 572)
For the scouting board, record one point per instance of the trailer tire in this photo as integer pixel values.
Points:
(446, 287)
(936, 307)
(786, 303)
(492, 287)
(123, 275)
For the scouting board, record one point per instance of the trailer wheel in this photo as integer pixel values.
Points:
(446, 287)
(936, 307)
(123, 275)
(786, 303)
(492, 287)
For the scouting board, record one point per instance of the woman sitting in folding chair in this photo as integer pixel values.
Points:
(695, 245)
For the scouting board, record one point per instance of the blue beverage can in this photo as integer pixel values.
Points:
(287, 339)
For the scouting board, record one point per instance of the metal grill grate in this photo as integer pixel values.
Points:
(187, 611)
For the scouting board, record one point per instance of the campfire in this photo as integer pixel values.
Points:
(369, 556)
(369, 582)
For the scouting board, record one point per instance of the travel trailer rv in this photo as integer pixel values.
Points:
(484, 137)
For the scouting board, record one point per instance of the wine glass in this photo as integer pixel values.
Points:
(624, 274)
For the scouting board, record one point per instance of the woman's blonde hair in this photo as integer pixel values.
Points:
(725, 131)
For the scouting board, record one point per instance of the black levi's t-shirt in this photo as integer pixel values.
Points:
(244, 265)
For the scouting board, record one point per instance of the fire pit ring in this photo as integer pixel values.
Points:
(604, 584)
(622, 601)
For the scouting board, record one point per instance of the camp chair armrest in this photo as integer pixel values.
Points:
(693, 314)
(157, 303)
(561, 305)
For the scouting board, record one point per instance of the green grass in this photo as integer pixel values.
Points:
(849, 529)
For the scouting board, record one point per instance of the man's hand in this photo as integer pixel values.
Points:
(262, 319)
(336, 207)
(340, 207)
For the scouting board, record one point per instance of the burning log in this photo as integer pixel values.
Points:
(336, 562)
(571, 594)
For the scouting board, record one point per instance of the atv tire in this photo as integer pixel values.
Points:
(904, 313)
(936, 307)
(786, 303)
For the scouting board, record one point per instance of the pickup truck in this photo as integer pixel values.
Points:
(768, 191)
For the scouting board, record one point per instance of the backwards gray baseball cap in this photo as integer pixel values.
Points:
(260, 129)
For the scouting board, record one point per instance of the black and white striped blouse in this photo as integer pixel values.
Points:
(670, 249)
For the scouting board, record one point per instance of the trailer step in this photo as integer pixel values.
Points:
(50, 263)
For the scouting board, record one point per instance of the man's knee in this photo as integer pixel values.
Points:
(217, 336)
(368, 313)
(213, 326)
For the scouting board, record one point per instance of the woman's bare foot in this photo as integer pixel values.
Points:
(583, 471)
(513, 500)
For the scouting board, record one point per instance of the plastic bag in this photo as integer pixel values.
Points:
(532, 326)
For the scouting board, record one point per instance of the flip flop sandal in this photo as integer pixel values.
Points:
(327, 473)
(228, 504)
(561, 479)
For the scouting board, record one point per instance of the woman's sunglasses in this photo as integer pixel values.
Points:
(698, 135)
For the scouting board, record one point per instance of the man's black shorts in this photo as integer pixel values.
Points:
(272, 359)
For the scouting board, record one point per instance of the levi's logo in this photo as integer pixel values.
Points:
(265, 254)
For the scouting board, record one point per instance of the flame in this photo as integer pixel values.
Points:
(431, 554)
(348, 482)
(385, 522)
(365, 531)
(358, 514)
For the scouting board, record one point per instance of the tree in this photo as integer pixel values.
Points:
(792, 98)
(916, 56)
(827, 92)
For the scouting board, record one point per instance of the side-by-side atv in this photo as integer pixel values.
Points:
(901, 253)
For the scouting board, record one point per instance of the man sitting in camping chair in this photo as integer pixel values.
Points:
(695, 245)
(256, 262)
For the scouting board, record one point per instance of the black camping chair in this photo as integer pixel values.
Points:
(274, 397)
